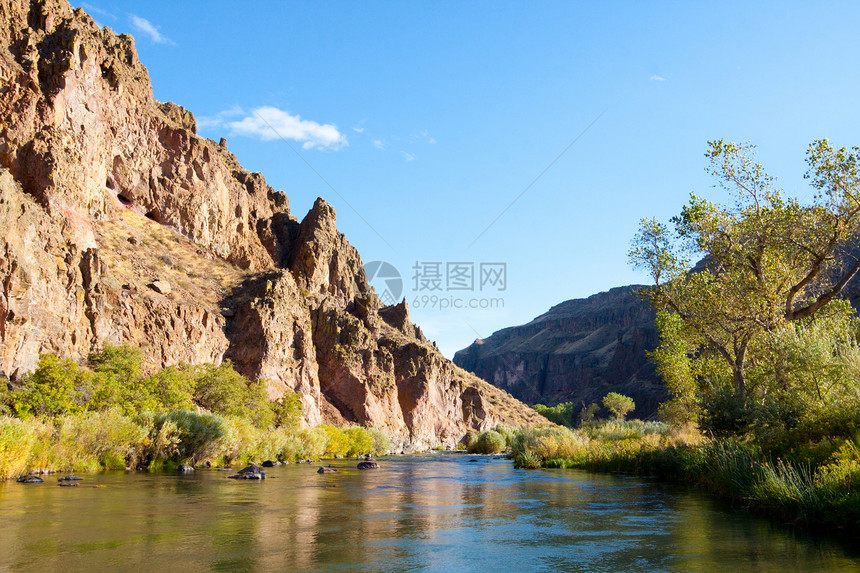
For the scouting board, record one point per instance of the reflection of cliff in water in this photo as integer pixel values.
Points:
(440, 512)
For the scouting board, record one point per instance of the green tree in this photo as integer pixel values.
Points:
(766, 261)
(619, 404)
(222, 390)
(52, 389)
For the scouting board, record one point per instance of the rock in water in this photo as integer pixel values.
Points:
(268, 464)
(251, 472)
(70, 478)
(368, 465)
(185, 468)
(325, 470)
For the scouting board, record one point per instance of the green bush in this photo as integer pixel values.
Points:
(53, 389)
(618, 404)
(89, 441)
(171, 388)
(508, 433)
(17, 438)
(380, 442)
(488, 442)
(194, 436)
(360, 442)
(314, 442)
(561, 414)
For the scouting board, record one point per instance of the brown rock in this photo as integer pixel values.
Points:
(162, 287)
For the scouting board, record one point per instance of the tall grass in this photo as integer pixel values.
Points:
(797, 492)
(17, 439)
(109, 439)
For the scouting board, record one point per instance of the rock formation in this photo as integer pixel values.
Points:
(577, 351)
(119, 224)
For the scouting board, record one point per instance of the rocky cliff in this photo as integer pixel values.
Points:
(119, 224)
(577, 351)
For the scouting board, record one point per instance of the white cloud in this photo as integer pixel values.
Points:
(268, 123)
(378, 144)
(424, 136)
(145, 26)
(90, 9)
(220, 118)
(657, 78)
(358, 129)
(407, 156)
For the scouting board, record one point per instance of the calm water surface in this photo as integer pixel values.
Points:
(438, 512)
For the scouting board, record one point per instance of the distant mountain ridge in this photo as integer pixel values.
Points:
(577, 351)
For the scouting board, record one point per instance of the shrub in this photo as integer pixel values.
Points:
(287, 409)
(91, 441)
(561, 414)
(52, 389)
(197, 435)
(17, 438)
(285, 444)
(588, 413)
(314, 441)
(488, 442)
(243, 441)
(171, 388)
(222, 390)
(618, 404)
(508, 433)
(360, 443)
(336, 441)
(380, 442)
(548, 444)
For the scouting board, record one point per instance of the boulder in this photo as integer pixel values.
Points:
(161, 287)
(251, 472)
(30, 479)
(269, 464)
(185, 468)
(325, 470)
(368, 465)
(70, 478)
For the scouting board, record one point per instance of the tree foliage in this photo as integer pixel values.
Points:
(770, 268)
(618, 404)
(115, 379)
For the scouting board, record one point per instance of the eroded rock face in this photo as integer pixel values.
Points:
(577, 351)
(119, 224)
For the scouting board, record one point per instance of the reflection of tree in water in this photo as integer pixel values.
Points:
(440, 512)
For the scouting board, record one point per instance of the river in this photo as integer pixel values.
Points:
(434, 512)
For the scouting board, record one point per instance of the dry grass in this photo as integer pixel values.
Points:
(160, 253)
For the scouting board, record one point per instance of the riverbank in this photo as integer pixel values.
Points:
(796, 492)
(109, 439)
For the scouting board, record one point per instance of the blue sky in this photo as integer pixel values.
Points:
(424, 121)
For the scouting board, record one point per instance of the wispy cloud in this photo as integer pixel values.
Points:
(378, 144)
(422, 135)
(90, 9)
(358, 129)
(220, 118)
(146, 27)
(656, 78)
(268, 123)
(407, 156)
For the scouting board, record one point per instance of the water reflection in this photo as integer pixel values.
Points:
(439, 512)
